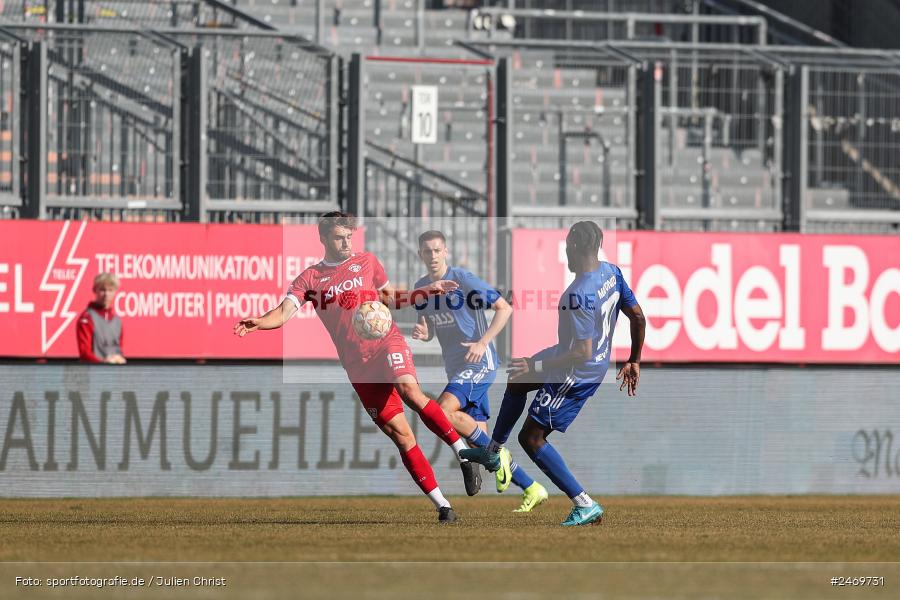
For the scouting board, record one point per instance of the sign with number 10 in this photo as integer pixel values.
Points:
(424, 114)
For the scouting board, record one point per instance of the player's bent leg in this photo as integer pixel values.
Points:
(462, 422)
(429, 411)
(470, 407)
(435, 419)
(492, 456)
(533, 438)
(534, 492)
(511, 409)
(399, 431)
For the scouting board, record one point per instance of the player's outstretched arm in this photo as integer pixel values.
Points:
(398, 299)
(630, 373)
(273, 319)
(580, 352)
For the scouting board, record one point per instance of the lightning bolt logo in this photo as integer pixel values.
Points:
(57, 279)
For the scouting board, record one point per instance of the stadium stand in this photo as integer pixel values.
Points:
(716, 82)
(120, 123)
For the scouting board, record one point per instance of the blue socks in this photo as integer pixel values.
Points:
(519, 476)
(479, 438)
(553, 465)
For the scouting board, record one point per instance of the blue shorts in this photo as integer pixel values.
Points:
(470, 385)
(557, 403)
(559, 400)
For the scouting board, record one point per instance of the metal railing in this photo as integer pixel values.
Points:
(573, 131)
(317, 18)
(718, 137)
(98, 116)
(404, 199)
(715, 112)
(10, 127)
(781, 29)
(170, 124)
(462, 128)
(587, 25)
(849, 127)
(270, 119)
(214, 14)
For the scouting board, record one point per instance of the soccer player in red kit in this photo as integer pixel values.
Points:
(381, 371)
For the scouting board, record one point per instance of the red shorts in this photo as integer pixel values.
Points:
(373, 380)
(381, 400)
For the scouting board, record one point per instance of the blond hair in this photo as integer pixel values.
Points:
(105, 279)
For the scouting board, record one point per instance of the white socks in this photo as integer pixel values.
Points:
(458, 445)
(583, 500)
(437, 498)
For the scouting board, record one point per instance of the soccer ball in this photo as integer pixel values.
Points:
(372, 320)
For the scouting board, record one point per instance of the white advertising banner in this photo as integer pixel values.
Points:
(217, 430)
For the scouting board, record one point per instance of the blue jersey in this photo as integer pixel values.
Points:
(459, 317)
(587, 311)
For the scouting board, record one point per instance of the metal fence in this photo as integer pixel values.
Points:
(572, 139)
(170, 124)
(712, 161)
(742, 137)
(111, 116)
(850, 123)
(10, 66)
(780, 29)
(98, 115)
(403, 200)
(553, 24)
(271, 121)
(463, 129)
(131, 13)
(443, 180)
(718, 137)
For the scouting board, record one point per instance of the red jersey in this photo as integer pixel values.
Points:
(336, 290)
(99, 333)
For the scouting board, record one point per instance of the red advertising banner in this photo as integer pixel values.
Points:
(183, 287)
(712, 297)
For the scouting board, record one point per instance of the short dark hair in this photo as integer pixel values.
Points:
(335, 218)
(434, 234)
(587, 237)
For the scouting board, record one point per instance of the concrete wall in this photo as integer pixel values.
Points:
(215, 430)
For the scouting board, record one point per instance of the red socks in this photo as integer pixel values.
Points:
(420, 469)
(435, 420)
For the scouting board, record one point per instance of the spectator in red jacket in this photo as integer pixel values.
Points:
(99, 329)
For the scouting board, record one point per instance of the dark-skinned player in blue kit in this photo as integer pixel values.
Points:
(566, 375)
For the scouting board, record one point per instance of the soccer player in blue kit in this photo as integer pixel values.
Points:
(567, 374)
(470, 358)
